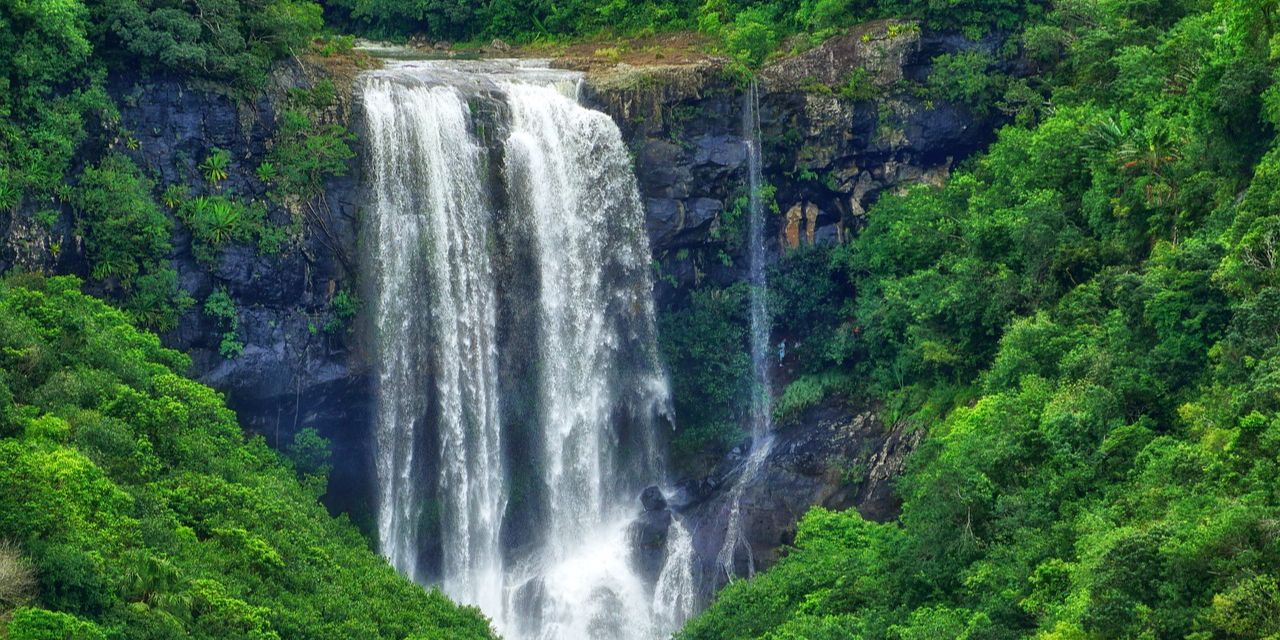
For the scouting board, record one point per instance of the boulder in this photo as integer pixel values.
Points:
(652, 499)
(648, 537)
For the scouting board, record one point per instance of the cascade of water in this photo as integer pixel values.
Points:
(433, 219)
(568, 169)
(761, 409)
(675, 594)
(568, 186)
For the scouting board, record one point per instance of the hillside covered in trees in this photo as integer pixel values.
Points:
(132, 507)
(1083, 322)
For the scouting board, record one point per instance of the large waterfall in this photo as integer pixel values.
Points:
(518, 381)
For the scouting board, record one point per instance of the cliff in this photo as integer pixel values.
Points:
(841, 124)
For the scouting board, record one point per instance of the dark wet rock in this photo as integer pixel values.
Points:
(292, 374)
(648, 537)
(652, 499)
(821, 150)
(528, 601)
(837, 456)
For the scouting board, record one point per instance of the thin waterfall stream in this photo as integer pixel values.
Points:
(761, 407)
(519, 387)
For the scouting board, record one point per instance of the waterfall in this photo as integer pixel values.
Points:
(675, 595)
(518, 381)
(435, 320)
(761, 408)
(559, 167)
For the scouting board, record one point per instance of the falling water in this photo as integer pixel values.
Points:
(675, 595)
(450, 239)
(433, 221)
(761, 409)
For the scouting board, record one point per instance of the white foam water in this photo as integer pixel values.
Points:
(441, 458)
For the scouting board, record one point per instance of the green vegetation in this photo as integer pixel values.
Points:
(229, 40)
(808, 391)
(342, 311)
(747, 30)
(54, 56)
(220, 307)
(215, 221)
(858, 87)
(127, 241)
(143, 512)
(49, 87)
(215, 166)
(705, 346)
(305, 151)
(966, 78)
(1084, 322)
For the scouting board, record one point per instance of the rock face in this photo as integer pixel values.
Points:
(648, 535)
(840, 124)
(836, 456)
(293, 373)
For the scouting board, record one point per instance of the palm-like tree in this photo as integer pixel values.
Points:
(215, 166)
(220, 220)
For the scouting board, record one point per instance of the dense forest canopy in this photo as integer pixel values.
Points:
(140, 510)
(770, 20)
(1084, 321)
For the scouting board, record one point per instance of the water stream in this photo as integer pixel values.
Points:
(518, 381)
(761, 408)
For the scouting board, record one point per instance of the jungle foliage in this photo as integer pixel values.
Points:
(1084, 321)
(132, 506)
(61, 144)
(749, 30)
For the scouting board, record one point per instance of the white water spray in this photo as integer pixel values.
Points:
(443, 465)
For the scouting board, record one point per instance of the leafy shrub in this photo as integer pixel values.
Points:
(222, 308)
(305, 153)
(310, 453)
(705, 348)
(859, 86)
(47, 95)
(39, 624)
(127, 240)
(174, 196)
(125, 232)
(228, 40)
(966, 78)
(218, 220)
(266, 172)
(808, 292)
(215, 166)
(825, 16)
(807, 392)
(752, 35)
(342, 310)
